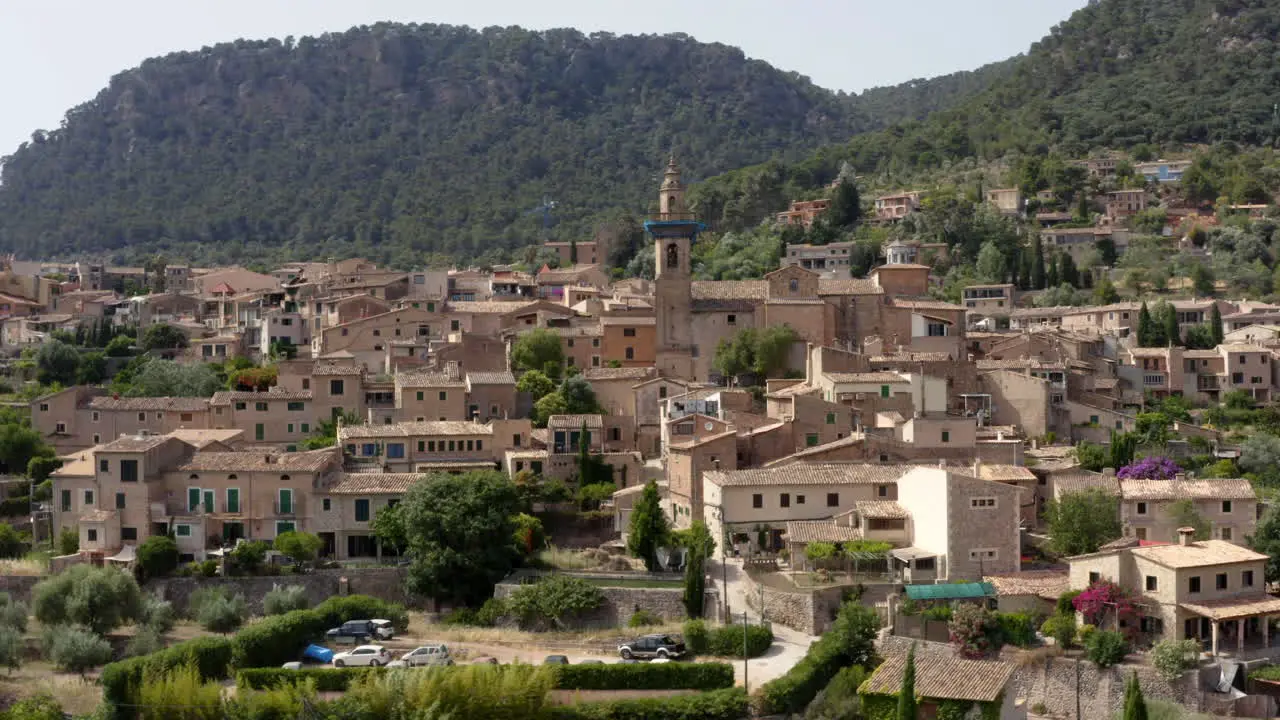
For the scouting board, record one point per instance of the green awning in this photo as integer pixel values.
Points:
(951, 591)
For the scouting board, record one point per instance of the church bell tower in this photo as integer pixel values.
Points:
(673, 231)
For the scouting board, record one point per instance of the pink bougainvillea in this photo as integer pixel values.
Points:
(1150, 468)
(1104, 599)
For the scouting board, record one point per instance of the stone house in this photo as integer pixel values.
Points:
(77, 418)
(970, 526)
(944, 685)
(1229, 506)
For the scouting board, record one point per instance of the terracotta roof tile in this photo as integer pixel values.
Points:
(428, 378)
(1082, 481)
(1197, 554)
(135, 443)
(575, 421)
(729, 289)
(312, 461)
(501, 377)
(373, 483)
(1005, 473)
(491, 307)
(867, 377)
(1047, 584)
(1200, 489)
(622, 373)
(323, 369)
(808, 531)
(887, 509)
(807, 474)
(413, 429)
(943, 676)
(176, 404)
(848, 286)
(224, 397)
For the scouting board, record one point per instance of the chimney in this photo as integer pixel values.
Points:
(1185, 534)
(977, 467)
(452, 369)
(1180, 476)
(268, 459)
(1109, 472)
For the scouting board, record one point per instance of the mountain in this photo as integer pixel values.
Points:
(399, 141)
(1117, 74)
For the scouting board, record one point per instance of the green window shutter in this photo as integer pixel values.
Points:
(362, 510)
(193, 498)
(259, 431)
(286, 501)
(119, 501)
(306, 427)
(233, 500)
(419, 396)
(831, 418)
(811, 440)
(884, 391)
(208, 501)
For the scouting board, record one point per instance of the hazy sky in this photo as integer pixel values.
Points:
(59, 53)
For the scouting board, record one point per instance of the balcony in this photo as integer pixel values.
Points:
(1208, 382)
(289, 509)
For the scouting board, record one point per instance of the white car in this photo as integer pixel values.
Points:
(365, 655)
(425, 655)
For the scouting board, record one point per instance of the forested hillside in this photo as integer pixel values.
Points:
(1118, 73)
(398, 141)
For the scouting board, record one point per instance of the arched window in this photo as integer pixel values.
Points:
(194, 477)
(232, 476)
(284, 477)
(673, 256)
(671, 203)
(795, 285)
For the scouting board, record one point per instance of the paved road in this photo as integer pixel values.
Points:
(789, 646)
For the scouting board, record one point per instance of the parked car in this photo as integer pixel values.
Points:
(361, 630)
(365, 655)
(425, 655)
(591, 662)
(485, 660)
(652, 646)
(295, 665)
(555, 660)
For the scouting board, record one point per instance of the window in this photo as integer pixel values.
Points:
(289, 428)
(182, 530)
(1237, 378)
(44, 407)
(1226, 506)
(757, 500)
(240, 406)
(120, 501)
(259, 432)
(882, 491)
(88, 498)
(630, 354)
(833, 499)
(285, 502)
(794, 286)
(66, 501)
(1094, 577)
(983, 554)
(662, 392)
(1153, 583)
(395, 450)
(453, 325)
(128, 533)
(284, 526)
(444, 395)
(233, 500)
(1193, 585)
(335, 387)
(628, 332)
(811, 440)
(362, 510)
(1142, 508)
(95, 415)
(185, 417)
(1221, 581)
(946, 436)
(451, 446)
(1226, 534)
(470, 445)
(515, 440)
(937, 330)
(1093, 419)
(884, 391)
(294, 406)
(985, 503)
(831, 418)
(326, 504)
(1246, 578)
(104, 465)
(784, 500)
(92, 534)
(306, 427)
(142, 417)
(799, 499)
(732, 319)
(480, 445)
(260, 407)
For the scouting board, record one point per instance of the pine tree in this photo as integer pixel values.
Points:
(1215, 325)
(1145, 327)
(1135, 706)
(1037, 265)
(907, 693)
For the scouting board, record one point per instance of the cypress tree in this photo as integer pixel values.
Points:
(1135, 706)
(1215, 325)
(1037, 265)
(1070, 274)
(1145, 327)
(907, 694)
(573, 252)
(1171, 334)
(846, 205)
(1052, 279)
(695, 580)
(649, 528)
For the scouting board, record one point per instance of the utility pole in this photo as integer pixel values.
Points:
(1078, 715)
(746, 685)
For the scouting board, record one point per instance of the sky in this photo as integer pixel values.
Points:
(57, 54)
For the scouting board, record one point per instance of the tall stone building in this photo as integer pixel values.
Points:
(673, 231)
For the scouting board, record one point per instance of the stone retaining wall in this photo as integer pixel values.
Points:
(620, 603)
(809, 611)
(19, 586)
(383, 583)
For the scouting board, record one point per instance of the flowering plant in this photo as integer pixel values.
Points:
(1150, 468)
(1104, 596)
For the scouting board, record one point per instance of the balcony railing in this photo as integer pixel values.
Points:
(671, 217)
(285, 509)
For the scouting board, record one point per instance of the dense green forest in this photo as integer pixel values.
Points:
(1163, 74)
(397, 142)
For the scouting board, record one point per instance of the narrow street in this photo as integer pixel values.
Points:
(789, 645)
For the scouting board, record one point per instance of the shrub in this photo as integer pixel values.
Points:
(341, 608)
(210, 656)
(1062, 628)
(1086, 631)
(1017, 629)
(643, 618)
(76, 648)
(208, 568)
(11, 646)
(1106, 648)
(68, 541)
(13, 614)
(144, 642)
(850, 641)
(181, 686)
(459, 616)
(101, 599)
(223, 614)
(278, 639)
(158, 556)
(839, 699)
(696, 639)
(1067, 601)
(728, 640)
(553, 601)
(491, 612)
(663, 676)
(40, 707)
(938, 613)
(280, 600)
(974, 631)
(158, 615)
(325, 679)
(1171, 658)
(247, 557)
(728, 704)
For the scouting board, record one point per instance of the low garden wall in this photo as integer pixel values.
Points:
(809, 611)
(621, 602)
(382, 583)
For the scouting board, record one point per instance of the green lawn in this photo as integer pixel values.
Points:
(634, 583)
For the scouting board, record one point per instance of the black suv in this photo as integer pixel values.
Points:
(360, 630)
(652, 646)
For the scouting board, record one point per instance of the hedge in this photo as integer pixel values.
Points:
(326, 679)
(16, 507)
(726, 640)
(278, 639)
(793, 691)
(727, 704)
(341, 608)
(645, 676)
(211, 656)
(1017, 629)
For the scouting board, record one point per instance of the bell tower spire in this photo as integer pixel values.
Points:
(671, 194)
(673, 231)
